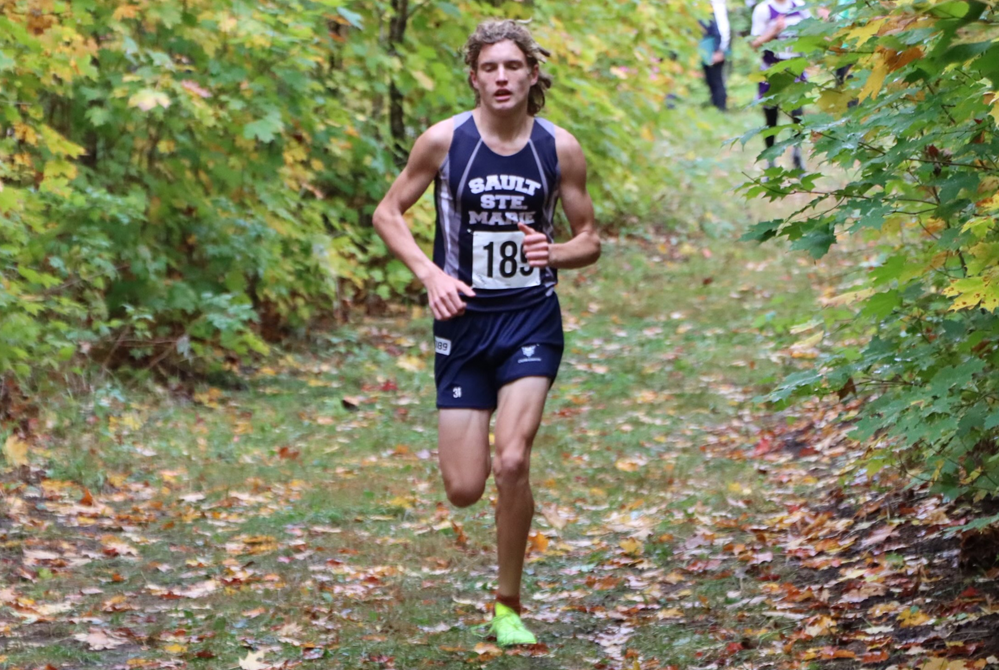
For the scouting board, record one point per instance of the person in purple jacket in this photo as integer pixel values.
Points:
(773, 28)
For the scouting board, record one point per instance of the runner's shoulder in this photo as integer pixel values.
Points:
(567, 146)
(432, 146)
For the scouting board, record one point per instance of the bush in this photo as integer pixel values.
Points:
(919, 150)
(185, 182)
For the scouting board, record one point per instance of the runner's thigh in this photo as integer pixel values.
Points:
(521, 405)
(463, 447)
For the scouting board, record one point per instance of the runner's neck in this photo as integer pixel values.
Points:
(504, 135)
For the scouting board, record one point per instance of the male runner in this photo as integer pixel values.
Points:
(498, 172)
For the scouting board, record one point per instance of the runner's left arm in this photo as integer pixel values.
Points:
(584, 247)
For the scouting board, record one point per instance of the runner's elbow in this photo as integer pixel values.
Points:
(596, 248)
(382, 220)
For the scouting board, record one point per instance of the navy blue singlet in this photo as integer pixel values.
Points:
(480, 197)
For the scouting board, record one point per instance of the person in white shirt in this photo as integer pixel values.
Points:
(714, 48)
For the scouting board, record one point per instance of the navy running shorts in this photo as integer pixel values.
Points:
(479, 352)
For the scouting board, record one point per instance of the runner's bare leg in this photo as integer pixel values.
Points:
(521, 404)
(463, 453)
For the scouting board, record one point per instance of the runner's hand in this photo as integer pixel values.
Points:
(444, 293)
(717, 57)
(537, 250)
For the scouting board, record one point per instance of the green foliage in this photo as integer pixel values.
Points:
(183, 181)
(919, 203)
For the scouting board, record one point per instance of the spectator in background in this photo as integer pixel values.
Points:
(715, 47)
(774, 24)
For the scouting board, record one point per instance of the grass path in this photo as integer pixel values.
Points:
(295, 518)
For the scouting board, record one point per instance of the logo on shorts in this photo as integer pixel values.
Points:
(529, 354)
(442, 346)
(456, 392)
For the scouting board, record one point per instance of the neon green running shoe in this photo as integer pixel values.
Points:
(509, 629)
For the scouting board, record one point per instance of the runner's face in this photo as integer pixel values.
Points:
(503, 78)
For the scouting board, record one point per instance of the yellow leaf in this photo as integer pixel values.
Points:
(26, 134)
(15, 451)
(59, 145)
(125, 12)
(876, 79)
(411, 363)
(632, 547)
(864, 33)
(810, 341)
(148, 99)
(175, 648)
(913, 617)
(399, 501)
(834, 102)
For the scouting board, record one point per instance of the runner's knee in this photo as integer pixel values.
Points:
(510, 466)
(464, 494)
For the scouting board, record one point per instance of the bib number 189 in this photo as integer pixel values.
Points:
(498, 261)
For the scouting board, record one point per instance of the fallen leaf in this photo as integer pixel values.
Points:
(15, 451)
(538, 542)
(632, 547)
(411, 363)
(552, 516)
(99, 640)
(671, 613)
(253, 661)
(488, 650)
(913, 617)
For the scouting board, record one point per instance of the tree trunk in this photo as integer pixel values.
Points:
(397, 121)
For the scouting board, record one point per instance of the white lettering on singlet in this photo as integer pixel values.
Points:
(503, 182)
(496, 218)
(503, 202)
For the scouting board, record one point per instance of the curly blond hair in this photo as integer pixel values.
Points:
(495, 30)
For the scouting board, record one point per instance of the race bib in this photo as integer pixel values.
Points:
(498, 261)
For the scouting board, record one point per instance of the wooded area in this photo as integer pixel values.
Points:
(216, 414)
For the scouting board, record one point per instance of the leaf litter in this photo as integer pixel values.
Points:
(678, 525)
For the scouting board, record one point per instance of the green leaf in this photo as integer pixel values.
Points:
(264, 129)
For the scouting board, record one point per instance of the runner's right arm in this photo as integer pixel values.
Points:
(429, 151)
